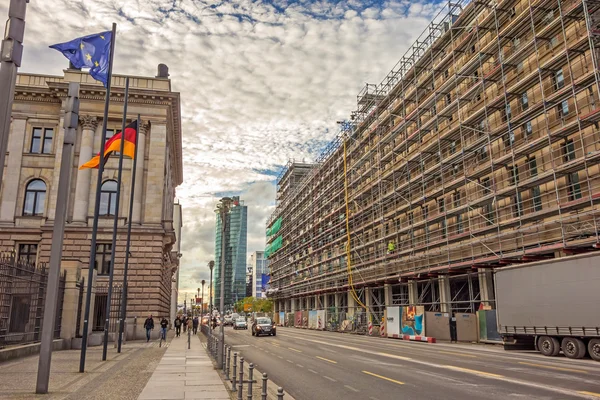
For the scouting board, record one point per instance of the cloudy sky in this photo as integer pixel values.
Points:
(261, 82)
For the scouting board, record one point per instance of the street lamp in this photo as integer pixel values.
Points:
(211, 265)
(197, 301)
(202, 302)
(223, 209)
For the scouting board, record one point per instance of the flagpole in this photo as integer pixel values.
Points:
(115, 224)
(88, 296)
(129, 221)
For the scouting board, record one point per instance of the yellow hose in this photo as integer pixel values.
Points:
(348, 252)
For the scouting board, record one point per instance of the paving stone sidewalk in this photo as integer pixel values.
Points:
(185, 374)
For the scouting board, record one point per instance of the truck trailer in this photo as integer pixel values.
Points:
(554, 304)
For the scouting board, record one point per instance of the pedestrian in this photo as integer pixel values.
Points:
(177, 324)
(149, 325)
(185, 320)
(214, 322)
(164, 324)
(195, 325)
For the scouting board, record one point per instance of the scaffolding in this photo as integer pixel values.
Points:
(478, 150)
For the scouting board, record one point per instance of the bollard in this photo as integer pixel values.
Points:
(233, 380)
(228, 364)
(241, 381)
(224, 359)
(264, 387)
(250, 378)
(279, 393)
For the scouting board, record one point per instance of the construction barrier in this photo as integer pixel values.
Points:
(370, 328)
(418, 338)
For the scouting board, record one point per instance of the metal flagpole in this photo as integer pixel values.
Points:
(10, 60)
(223, 207)
(71, 120)
(113, 250)
(88, 296)
(129, 221)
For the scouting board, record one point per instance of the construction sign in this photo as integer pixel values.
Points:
(247, 307)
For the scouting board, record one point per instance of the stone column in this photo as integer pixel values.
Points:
(445, 295)
(351, 304)
(368, 302)
(68, 325)
(326, 301)
(337, 301)
(138, 196)
(413, 295)
(293, 305)
(52, 192)
(387, 293)
(12, 172)
(317, 302)
(82, 186)
(486, 286)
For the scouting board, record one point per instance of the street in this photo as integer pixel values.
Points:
(326, 365)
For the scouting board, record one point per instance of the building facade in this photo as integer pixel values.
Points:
(260, 273)
(480, 149)
(236, 235)
(30, 182)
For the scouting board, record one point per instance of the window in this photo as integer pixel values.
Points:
(559, 79)
(573, 187)
(532, 166)
(446, 74)
(553, 43)
(508, 112)
(537, 198)
(528, 128)
(487, 185)
(509, 139)
(109, 134)
(516, 43)
(524, 101)
(453, 147)
(442, 205)
(489, 214)
(483, 153)
(459, 225)
(563, 109)
(520, 67)
(549, 17)
(425, 212)
(108, 198)
(28, 253)
(448, 98)
(41, 141)
(35, 198)
(456, 199)
(102, 263)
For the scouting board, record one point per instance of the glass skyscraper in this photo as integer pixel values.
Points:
(236, 234)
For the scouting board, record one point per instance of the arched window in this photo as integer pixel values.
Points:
(35, 197)
(108, 198)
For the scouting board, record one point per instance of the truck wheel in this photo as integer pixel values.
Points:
(573, 347)
(594, 349)
(548, 346)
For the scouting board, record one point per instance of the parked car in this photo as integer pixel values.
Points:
(240, 323)
(228, 320)
(263, 326)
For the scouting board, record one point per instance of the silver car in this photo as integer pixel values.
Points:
(240, 323)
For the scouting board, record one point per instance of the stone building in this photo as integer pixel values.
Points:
(30, 181)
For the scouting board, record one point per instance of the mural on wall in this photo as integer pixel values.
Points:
(298, 323)
(312, 320)
(321, 319)
(412, 320)
(282, 318)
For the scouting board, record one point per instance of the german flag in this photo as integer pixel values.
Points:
(114, 145)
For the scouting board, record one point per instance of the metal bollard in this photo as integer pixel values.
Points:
(224, 359)
(250, 378)
(234, 376)
(241, 381)
(280, 394)
(228, 363)
(264, 387)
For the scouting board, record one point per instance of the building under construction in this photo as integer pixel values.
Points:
(478, 150)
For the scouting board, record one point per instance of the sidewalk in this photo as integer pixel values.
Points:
(185, 374)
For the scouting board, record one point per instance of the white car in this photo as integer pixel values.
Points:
(240, 323)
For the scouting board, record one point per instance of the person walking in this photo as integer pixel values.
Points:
(185, 320)
(177, 324)
(149, 326)
(164, 324)
(195, 325)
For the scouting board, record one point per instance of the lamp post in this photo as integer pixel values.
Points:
(202, 301)
(197, 301)
(211, 265)
(223, 209)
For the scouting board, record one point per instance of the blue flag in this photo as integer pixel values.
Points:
(92, 51)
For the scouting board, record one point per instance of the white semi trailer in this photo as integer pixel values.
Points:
(555, 304)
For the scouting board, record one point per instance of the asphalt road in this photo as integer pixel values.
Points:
(314, 365)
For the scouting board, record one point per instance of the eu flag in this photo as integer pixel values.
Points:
(92, 51)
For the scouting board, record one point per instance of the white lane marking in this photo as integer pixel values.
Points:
(280, 357)
(290, 361)
(314, 372)
(351, 388)
(331, 379)
(301, 366)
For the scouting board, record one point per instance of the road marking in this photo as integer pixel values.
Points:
(373, 398)
(296, 350)
(551, 367)
(383, 377)
(457, 354)
(351, 388)
(280, 357)
(276, 345)
(472, 371)
(326, 359)
(301, 366)
(590, 394)
(314, 372)
(290, 361)
(331, 379)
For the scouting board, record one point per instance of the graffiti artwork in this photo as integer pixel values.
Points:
(320, 319)
(412, 320)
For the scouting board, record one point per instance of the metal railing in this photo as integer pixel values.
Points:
(233, 369)
(22, 296)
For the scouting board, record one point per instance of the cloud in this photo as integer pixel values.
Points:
(260, 82)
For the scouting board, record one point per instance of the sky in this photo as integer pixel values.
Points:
(261, 82)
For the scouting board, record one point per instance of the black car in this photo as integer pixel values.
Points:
(263, 326)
